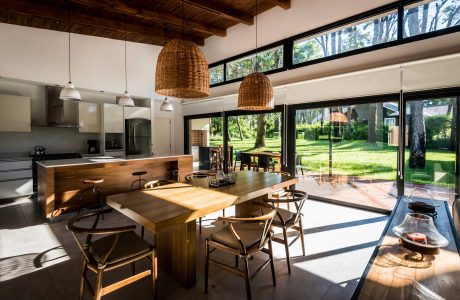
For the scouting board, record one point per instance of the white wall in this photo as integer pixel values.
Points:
(39, 57)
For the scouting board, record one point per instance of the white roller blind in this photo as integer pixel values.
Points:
(435, 73)
(351, 85)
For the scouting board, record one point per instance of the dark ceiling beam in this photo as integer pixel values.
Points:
(286, 4)
(161, 17)
(27, 8)
(222, 11)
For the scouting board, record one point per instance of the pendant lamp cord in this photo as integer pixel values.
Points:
(69, 21)
(257, 65)
(183, 20)
(126, 68)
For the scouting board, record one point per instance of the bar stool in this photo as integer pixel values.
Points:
(141, 181)
(94, 190)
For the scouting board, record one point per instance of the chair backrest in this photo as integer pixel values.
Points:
(154, 183)
(245, 158)
(282, 173)
(298, 159)
(197, 180)
(238, 155)
(264, 161)
(83, 234)
(265, 220)
(293, 196)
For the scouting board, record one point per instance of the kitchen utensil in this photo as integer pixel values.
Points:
(39, 150)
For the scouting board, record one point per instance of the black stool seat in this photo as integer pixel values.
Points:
(93, 181)
(139, 173)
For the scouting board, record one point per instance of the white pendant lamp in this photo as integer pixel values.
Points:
(166, 105)
(125, 99)
(256, 90)
(69, 92)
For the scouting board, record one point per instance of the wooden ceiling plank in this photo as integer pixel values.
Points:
(222, 11)
(120, 7)
(285, 4)
(27, 8)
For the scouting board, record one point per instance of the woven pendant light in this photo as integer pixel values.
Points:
(256, 93)
(256, 90)
(182, 71)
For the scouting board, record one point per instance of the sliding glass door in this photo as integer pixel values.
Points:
(254, 133)
(349, 152)
(204, 135)
(430, 149)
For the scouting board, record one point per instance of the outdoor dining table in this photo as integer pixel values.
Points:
(170, 212)
(275, 156)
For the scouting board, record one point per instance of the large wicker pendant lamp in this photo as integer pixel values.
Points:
(182, 69)
(256, 90)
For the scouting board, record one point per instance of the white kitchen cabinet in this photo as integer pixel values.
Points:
(14, 114)
(89, 117)
(113, 118)
(15, 178)
(137, 113)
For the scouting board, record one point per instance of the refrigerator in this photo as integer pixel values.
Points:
(138, 138)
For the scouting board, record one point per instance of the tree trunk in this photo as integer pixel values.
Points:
(379, 122)
(453, 126)
(261, 128)
(239, 127)
(371, 136)
(417, 136)
(412, 21)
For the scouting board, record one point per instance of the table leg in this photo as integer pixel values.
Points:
(246, 208)
(176, 250)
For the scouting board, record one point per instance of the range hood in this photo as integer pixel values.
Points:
(59, 113)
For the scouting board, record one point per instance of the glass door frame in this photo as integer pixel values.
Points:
(288, 125)
(233, 113)
(422, 95)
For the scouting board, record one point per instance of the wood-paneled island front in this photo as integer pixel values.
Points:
(59, 181)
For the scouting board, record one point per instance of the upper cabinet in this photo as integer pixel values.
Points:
(137, 113)
(14, 114)
(89, 117)
(113, 118)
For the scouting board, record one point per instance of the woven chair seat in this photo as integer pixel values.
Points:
(249, 233)
(287, 215)
(128, 245)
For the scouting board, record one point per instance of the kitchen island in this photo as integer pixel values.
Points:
(59, 181)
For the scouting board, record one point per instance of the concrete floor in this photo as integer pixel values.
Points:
(40, 260)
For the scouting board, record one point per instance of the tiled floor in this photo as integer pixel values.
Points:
(40, 260)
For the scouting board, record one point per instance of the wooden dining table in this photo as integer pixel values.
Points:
(170, 212)
(275, 156)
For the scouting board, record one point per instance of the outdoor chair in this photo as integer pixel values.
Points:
(298, 164)
(237, 159)
(246, 161)
(242, 237)
(118, 247)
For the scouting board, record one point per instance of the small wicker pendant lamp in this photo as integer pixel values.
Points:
(256, 90)
(182, 69)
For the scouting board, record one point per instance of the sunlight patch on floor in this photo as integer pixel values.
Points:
(28, 249)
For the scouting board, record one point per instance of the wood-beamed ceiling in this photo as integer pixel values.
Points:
(149, 22)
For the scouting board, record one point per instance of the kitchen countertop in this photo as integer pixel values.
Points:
(14, 156)
(99, 160)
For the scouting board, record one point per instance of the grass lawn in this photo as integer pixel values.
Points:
(358, 158)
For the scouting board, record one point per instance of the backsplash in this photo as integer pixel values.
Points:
(56, 140)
